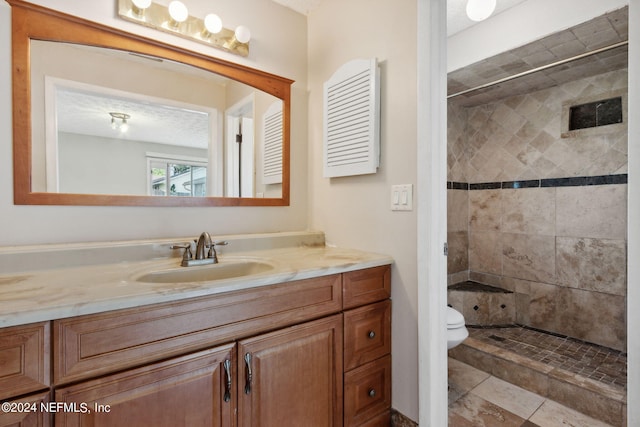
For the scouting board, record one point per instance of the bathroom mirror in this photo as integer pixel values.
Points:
(104, 117)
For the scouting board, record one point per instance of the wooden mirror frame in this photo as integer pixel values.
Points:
(31, 21)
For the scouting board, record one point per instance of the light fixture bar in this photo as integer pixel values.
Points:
(192, 28)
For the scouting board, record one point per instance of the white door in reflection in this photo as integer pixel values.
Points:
(240, 150)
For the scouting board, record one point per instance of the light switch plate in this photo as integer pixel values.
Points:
(402, 197)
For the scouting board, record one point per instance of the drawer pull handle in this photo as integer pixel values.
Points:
(247, 361)
(227, 372)
(372, 392)
(371, 335)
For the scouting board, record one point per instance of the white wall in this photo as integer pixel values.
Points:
(279, 49)
(355, 211)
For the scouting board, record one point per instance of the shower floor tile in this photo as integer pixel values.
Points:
(588, 360)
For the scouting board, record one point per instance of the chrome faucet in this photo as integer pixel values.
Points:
(205, 251)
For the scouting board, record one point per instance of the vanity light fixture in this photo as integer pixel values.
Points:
(119, 121)
(175, 19)
(479, 10)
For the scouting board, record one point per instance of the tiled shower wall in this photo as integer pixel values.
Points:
(561, 245)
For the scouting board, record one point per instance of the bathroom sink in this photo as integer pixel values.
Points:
(207, 273)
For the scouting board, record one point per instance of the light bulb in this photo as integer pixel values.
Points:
(124, 126)
(243, 35)
(141, 4)
(479, 10)
(178, 11)
(213, 23)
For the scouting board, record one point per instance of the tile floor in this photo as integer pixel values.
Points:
(588, 360)
(478, 399)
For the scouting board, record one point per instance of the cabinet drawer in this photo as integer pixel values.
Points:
(367, 392)
(92, 345)
(24, 359)
(367, 333)
(366, 286)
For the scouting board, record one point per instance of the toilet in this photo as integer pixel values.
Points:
(456, 330)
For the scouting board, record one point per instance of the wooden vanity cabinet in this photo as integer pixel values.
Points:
(97, 344)
(312, 352)
(292, 376)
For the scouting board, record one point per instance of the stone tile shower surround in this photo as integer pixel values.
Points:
(519, 138)
(560, 245)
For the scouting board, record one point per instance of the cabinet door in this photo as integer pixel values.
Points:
(292, 377)
(186, 391)
(26, 412)
(24, 359)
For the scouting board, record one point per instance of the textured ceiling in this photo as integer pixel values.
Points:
(87, 113)
(600, 32)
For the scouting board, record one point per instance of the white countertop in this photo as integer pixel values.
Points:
(53, 293)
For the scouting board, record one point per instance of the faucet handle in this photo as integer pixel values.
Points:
(212, 250)
(187, 255)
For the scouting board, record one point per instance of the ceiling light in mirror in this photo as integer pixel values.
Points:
(175, 19)
(119, 121)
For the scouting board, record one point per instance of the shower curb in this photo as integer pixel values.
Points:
(601, 401)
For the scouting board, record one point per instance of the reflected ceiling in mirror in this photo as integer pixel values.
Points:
(71, 148)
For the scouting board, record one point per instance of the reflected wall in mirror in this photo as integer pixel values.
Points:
(103, 117)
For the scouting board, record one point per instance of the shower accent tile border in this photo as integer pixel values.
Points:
(453, 185)
(577, 181)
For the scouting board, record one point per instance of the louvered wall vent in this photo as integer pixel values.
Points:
(352, 119)
(272, 131)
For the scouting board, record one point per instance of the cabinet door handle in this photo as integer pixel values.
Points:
(372, 392)
(227, 371)
(247, 361)
(371, 335)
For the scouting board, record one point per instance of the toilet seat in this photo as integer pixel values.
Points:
(455, 319)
